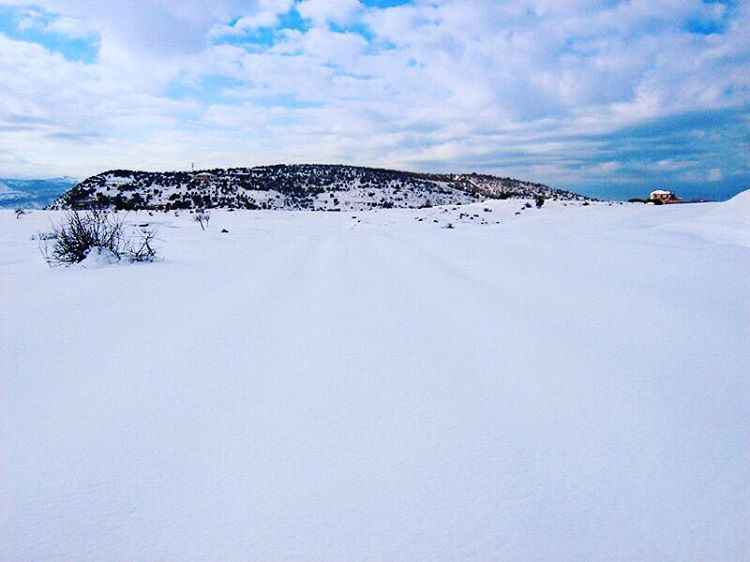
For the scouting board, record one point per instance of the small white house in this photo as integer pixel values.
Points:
(664, 196)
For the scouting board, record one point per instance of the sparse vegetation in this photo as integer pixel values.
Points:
(81, 232)
(299, 186)
(202, 218)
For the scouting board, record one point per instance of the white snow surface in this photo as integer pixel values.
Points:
(567, 383)
(727, 222)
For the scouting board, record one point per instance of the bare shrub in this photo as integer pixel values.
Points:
(202, 218)
(79, 232)
(43, 236)
(141, 249)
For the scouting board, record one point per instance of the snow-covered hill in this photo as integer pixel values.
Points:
(309, 186)
(564, 384)
(7, 193)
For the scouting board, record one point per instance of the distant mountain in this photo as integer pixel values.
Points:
(304, 186)
(16, 193)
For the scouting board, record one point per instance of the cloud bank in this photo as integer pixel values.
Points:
(585, 94)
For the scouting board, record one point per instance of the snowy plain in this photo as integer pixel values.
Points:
(567, 383)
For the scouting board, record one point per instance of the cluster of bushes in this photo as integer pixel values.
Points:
(300, 184)
(81, 232)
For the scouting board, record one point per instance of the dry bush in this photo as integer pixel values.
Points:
(202, 218)
(80, 232)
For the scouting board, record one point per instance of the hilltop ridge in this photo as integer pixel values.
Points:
(320, 187)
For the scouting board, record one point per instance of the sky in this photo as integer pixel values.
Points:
(604, 96)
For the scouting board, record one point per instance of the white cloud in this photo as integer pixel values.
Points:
(75, 28)
(71, 27)
(265, 13)
(322, 12)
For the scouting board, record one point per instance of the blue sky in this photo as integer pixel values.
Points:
(603, 97)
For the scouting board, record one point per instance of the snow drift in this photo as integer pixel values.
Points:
(727, 222)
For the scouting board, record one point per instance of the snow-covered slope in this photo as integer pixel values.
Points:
(308, 186)
(568, 383)
(7, 192)
(727, 222)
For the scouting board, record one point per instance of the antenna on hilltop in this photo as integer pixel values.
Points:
(192, 166)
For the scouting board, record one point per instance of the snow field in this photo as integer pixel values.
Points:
(568, 384)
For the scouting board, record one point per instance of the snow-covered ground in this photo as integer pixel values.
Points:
(567, 383)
